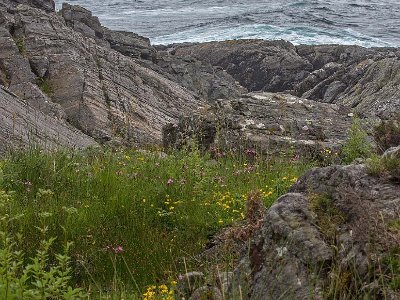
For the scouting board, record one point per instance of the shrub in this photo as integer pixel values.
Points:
(357, 144)
(387, 134)
(385, 166)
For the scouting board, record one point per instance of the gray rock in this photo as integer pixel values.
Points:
(392, 153)
(265, 121)
(206, 81)
(360, 78)
(190, 282)
(46, 5)
(207, 293)
(101, 92)
(334, 221)
(333, 90)
(257, 64)
(22, 126)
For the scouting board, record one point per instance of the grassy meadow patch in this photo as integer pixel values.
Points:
(132, 215)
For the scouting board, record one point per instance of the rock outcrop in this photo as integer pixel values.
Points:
(338, 225)
(115, 86)
(365, 79)
(103, 93)
(111, 85)
(22, 125)
(268, 122)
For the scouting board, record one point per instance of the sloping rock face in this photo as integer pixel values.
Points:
(337, 225)
(111, 85)
(259, 65)
(21, 125)
(268, 122)
(46, 5)
(127, 43)
(103, 93)
(206, 81)
(365, 79)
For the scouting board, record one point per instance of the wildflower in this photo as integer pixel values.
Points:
(117, 249)
(251, 153)
(170, 181)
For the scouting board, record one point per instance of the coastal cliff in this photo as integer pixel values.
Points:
(115, 87)
(66, 81)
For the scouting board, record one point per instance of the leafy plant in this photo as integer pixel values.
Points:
(21, 46)
(42, 277)
(387, 134)
(357, 144)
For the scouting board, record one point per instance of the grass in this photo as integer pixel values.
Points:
(45, 86)
(357, 144)
(133, 215)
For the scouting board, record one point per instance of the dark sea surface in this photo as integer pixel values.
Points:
(366, 23)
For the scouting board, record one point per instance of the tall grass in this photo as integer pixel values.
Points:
(133, 215)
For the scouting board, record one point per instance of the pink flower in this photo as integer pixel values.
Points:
(170, 181)
(118, 249)
(251, 153)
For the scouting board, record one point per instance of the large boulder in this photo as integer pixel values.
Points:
(335, 235)
(268, 122)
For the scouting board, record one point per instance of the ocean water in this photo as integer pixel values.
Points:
(369, 23)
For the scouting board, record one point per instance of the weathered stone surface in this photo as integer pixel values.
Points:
(257, 64)
(23, 126)
(189, 282)
(207, 293)
(206, 81)
(46, 5)
(366, 79)
(334, 222)
(105, 94)
(266, 121)
(127, 43)
(65, 66)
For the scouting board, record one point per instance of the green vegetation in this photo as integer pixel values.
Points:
(329, 217)
(45, 87)
(387, 134)
(132, 215)
(21, 46)
(357, 145)
(386, 166)
(38, 278)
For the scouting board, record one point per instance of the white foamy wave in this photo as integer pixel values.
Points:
(296, 35)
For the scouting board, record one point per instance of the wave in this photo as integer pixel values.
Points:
(297, 35)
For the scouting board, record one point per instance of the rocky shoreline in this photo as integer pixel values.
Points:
(65, 80)
(114, 87)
